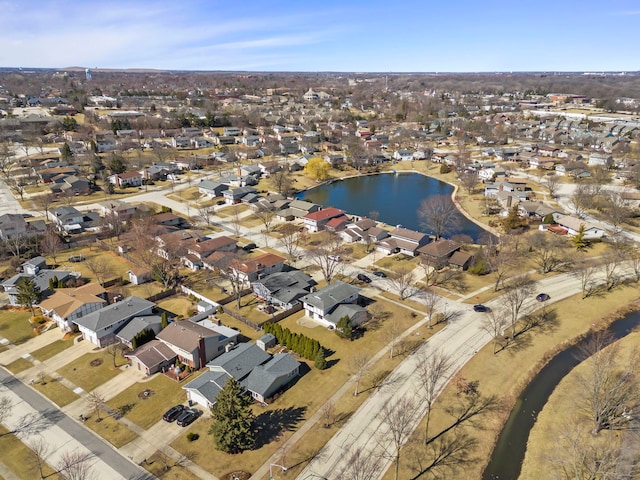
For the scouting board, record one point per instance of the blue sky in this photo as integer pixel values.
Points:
(328, 35)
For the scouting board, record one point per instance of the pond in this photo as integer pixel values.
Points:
(508, 454)
(395, 196)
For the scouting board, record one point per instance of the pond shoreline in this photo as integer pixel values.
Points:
(453, 195)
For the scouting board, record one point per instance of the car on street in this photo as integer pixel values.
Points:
(542, 297)
(480, 308)
(249, 247)
(173, 413)
(380, 274)
(363, 278)
(188, 416)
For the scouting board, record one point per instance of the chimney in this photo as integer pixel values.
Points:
(202, 353)
(228, 347)
(509, 201)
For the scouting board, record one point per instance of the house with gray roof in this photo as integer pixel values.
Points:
(258, 372)
(41, 279)
(152, 357)
(212, 189)
(323, 304)
(283, 289)
(137, 325)
(100, 327)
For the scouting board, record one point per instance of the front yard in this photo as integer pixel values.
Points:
(15, 325)
(92, 369)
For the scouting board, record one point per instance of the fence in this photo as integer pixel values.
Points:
(199, 296)
(276, 318)
(106, 246)
(161, 295)
(242, 319)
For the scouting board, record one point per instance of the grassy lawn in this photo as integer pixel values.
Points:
(15, 326)
(52, 349)
(19, 365)
(178, 305)
(232, 210)
(395, 263)
(146, 411)
(251, 221)
(249, 308)
(56, 391)
(14, 454)
(507, 372)
(118, 266)
(111, 430)
(84, 375)
(156, 465)
(289, 411)
(244, 329)
(358, 250)
(559, 412)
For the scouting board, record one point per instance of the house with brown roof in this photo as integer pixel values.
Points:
(203, 247)
(403, 240)
(316, 221)
(250, 270)
(65, 305)
(438, 253)
(196, 344)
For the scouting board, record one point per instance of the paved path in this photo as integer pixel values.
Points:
(34, 417)
(461, 339)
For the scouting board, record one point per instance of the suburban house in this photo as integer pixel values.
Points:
(250, 270)
(283, 289)
(316, 221)
(126, 179)
(118, 209)
(65, 305)
(297, 209)
(100, 327)
(537, 210)
(403, 240)
(152, 357)
(260, 373)
(66, 218)
(438, 253)
(41, 279)
(74, 185)
(331, 303)
(212, 189)
(572, 226)
(234, 195)
(364, 230)
(14, 225)
(196, 344)
(138, 325)
(203, 247)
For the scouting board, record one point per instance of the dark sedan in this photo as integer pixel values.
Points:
(542, 297)
(380, 274)
(363, 278)
(188, 417)
(480, 308)
(173, 413)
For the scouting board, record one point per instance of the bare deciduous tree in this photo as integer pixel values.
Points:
(610, 387)
(516, 292)
(282, 182)
(328, 414)
(439, 215)
(96, 404)
(586, 271)
(99, 267)
(403, 282)
(552, 182)
(495, 322)
(290, 236)
(266, 215)
(391, 335)
(501, 259)
(358, 364)
(6, 406)
(235, 220)
(362, 465)
(398, 419)
(548, 250)
(75, 465)
(39, 451)
(445, 457)
(432, 370)
(469, 180)
(326, 254)
(51, 243)
(431, 302)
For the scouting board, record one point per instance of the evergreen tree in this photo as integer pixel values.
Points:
(65, 152)
(116, 165)
(320, 360)
(234, 427)
(344, 329)
(28, 293)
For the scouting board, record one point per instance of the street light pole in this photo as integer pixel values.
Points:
(271, 465)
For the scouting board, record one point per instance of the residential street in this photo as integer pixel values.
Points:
(33, 416)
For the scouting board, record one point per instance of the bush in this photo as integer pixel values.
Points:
(444, 169)
(192, 437)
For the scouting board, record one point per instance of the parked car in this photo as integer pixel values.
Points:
(335, 258)
(249, 247)
(76, 258)
(363, 278)
(173, 413)
(188, 416)
(380, 274)
(480, 308)
(542, 297)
